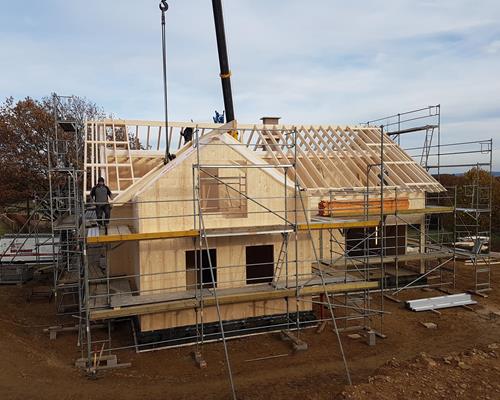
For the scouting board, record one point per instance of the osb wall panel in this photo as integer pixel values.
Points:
(228, 312)
(122, 215)
(177, 184)
(163, 269)
(163, 262)
(121, 259)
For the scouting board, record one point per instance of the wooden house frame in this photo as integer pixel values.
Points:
(229, 200)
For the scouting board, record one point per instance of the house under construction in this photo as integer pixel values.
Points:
(221, 230)
(252, 229)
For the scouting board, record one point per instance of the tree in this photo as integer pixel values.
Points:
(76, 109)
(473, 192)
(26, 127)
(480, 183)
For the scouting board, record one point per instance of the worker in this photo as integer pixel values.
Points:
(187, 134)
(100, 194)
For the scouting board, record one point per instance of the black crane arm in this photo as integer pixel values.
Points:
(225, 72)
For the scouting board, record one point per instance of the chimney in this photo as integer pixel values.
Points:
(270, 120)
(274, 133)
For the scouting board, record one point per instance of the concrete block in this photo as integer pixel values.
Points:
(371, 338)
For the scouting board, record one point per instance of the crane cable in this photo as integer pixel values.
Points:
(164, 7)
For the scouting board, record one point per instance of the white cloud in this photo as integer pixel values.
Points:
(493, 47)
(323, 61)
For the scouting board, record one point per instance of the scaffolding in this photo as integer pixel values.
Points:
(65, 200)
(349, 218)
(31, 248)
(357, 250)
(61, 207)
(419, 132)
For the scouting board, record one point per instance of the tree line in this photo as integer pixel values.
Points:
(26, 127)
(473, 189)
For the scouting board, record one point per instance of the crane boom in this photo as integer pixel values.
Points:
(225, 72)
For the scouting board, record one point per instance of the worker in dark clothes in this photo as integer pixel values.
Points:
(187, 134)
(100, 194)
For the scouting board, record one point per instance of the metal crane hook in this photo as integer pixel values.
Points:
(163, 5)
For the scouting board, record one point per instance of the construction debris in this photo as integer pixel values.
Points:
(392, 298)
(354, 336)
(54, 330)
(268, 357)
(429, 325)
(110, 360)
(321, 327)
(298, 345)
(433, 303)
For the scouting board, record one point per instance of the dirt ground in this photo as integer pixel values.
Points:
(457, 360)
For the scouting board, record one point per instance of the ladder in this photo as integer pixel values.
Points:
(426, 149)
(281, 260)
(482, 267)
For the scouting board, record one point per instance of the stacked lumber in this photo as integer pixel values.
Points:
(338, 208)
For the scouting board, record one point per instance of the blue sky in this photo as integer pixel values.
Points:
(322, 61)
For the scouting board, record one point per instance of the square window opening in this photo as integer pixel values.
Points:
(259, 264)
(198, 273)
